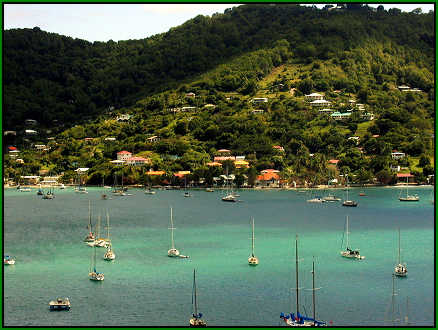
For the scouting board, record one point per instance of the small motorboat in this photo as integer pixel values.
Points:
(60, 304)
(7, 260)
(317, 199)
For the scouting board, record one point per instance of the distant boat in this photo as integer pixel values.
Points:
(60, 304)
(209, 189)
(349, 202)
(196, 320)
(317, 199)
(49, 194)
(94, 275)
(81, 190)
(253, 260)
(109, 254)
(362, 194)
(99, 241)
(409, 198)
(186, 193)
(229, 196)
(8, 260)
(331, 198)
(24, 189)
(348, 252)
(401, 269)
(299, 320)
(90, 236)
(103, 195)
(40, 191)
(149, 192)
(173, 252)
(62, 186)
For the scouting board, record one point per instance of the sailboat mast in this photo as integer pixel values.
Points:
(399, 259)
(296, 270)
(89, 216)
(107, 225)
(392, 299)
(171, 228)
(348, 240)
(194, 293)
(252, 247)
(98, 226)
(313, 288)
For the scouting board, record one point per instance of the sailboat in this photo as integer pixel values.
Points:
(348, 202)
(196, 320)
(40, 191)
(401, 269)
(350, 253)
(253, 260)
(229, 197)
(173, 252)
(118, 191)
(99, 241)
(409, 198)
(94, 275)
(299, 320)
(186, 193)
(103, 195)
(109, 254)
(49, 194)
(90, 236)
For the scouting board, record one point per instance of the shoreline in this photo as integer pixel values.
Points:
(320, 187)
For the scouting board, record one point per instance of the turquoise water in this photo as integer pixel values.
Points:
(144, 287)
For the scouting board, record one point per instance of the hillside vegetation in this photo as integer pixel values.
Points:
(278, 52)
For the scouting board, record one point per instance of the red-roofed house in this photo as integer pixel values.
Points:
(224, 151)
(137, 161)
(124, 155)
(181, 174)
(279, 148)
(404, 177)
(269, 178)
(333, 161)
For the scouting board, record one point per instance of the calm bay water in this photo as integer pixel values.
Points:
(144, 287)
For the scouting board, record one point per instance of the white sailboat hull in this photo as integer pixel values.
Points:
(173, 253)
(348, 254)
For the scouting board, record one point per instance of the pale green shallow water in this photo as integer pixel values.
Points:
(143, 287)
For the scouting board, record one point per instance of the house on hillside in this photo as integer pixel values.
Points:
(137, 161)
(259, 100)
(124, 155)
(320, 104)
(123, 117)
(153, 139)
(397, 155)
(30, 122)
(314, 97)
(30, 132)
(268, 178)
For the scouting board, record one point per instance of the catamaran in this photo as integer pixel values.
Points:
(349, 252)
(196, 320)
(298, 320)
(253, 260)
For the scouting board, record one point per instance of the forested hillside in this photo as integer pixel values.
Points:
(233, 81)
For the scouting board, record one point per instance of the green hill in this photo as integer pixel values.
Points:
(279, 52)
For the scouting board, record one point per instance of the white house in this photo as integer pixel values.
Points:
(153, 139)
(123, 117)
(397, 155)
(257, 111)
(320, 104)
(40, 147)
(31, 122)
(188, 109)
(124, 155)
(314, 97)
(340, 116)
(110, 139)
(30, 132)
(259, 100)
